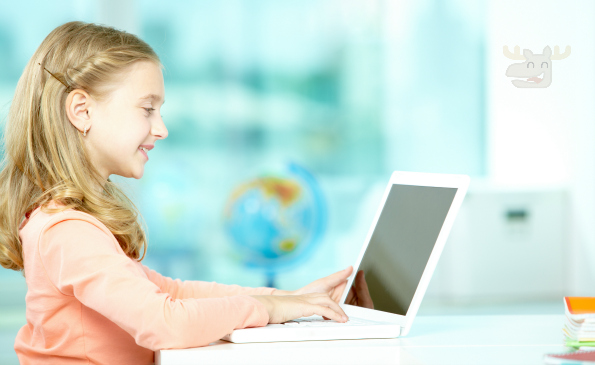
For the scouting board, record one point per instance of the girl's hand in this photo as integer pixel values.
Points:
(283, 308)
(332, 285)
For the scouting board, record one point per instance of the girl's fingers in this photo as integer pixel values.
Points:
(328, 284)
(327, 302)
(338, 291)
(336, 278)
(336, 307)
(327, 312)
(286, 308)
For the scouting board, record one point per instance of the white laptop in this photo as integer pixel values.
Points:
(398, 257)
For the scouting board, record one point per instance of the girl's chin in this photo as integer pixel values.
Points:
(139, 174)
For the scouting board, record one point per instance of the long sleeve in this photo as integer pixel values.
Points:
(83, 259)
(200, 289)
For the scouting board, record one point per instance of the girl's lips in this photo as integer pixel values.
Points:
(144, 153)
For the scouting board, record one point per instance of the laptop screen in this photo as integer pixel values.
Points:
(402, 242)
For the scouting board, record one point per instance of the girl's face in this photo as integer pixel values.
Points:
(126, 120)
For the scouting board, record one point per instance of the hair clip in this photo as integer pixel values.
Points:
(68, 88)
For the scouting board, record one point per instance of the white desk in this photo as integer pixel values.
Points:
(440, 340)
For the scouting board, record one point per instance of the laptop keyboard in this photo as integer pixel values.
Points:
(320, 322)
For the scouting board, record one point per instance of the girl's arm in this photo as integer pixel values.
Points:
(200, 289)
(82, 259)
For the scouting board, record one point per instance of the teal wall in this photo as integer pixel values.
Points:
(254, 84)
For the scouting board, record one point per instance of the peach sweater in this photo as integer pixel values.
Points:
(89, 303)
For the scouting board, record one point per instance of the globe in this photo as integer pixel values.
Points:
(276, 220)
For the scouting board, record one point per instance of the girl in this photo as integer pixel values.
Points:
(86, 107)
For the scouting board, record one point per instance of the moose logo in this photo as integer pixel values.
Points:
(537, 68)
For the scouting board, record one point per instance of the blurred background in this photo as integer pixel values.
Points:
(314, 103)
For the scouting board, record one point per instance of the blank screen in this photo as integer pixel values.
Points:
(402, 242)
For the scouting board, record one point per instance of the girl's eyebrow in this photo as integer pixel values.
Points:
(154, 97)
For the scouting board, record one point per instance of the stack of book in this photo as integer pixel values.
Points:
(579, 327)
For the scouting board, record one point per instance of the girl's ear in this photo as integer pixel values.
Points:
(78, 105)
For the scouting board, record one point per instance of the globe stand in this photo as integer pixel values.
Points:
(270, 277)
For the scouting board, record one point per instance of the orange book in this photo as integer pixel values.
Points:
(580, 305)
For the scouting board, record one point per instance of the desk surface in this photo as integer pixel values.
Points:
(460, 340)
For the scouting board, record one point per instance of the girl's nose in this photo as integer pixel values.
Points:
(159, 130)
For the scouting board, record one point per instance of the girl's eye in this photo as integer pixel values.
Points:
(149, 110)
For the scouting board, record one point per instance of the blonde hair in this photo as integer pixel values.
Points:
(45, 158)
